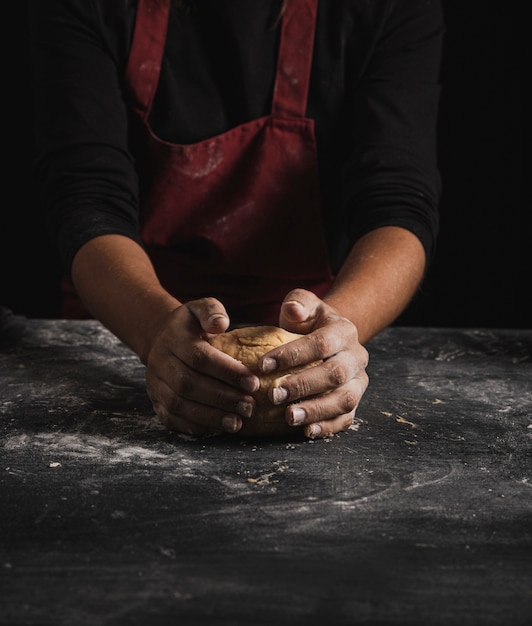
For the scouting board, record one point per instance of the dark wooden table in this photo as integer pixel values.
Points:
(419, 515)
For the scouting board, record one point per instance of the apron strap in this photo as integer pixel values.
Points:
(146, 54)
(294, 62)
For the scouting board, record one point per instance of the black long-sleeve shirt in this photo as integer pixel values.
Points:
(373, 95)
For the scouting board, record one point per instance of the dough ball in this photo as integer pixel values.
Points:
(248, 345)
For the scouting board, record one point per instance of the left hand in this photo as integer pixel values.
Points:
(323, 398)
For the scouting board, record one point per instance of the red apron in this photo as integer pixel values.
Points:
(237, 216)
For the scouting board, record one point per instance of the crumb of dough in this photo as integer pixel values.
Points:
(402, 420)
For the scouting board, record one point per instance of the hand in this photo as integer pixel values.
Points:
(195, 388)
(323, 398)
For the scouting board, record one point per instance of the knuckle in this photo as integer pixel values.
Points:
(150, 392)
(337, 374)
(349, 402)
(321, 344)
(198, 356)
(175, 404)
(302, 388)
(318, 411)
(350, 329)
(330, 427)
(363, 381)
(347, 421)
(291, 355)
(364, 357)
(224, 403)
(185, 384)
(162, 415)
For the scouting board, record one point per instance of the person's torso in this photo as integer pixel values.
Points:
(238, 215)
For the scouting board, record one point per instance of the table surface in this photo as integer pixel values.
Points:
(420, 514)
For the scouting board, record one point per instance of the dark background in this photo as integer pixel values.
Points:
(481, 275)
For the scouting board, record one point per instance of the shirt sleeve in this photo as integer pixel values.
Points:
(83, 170)
(390, 173)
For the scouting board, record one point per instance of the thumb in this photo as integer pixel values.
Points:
(210, 313)
(299, 311)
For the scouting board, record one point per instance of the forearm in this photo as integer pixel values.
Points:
(378, 279)
(118, 285)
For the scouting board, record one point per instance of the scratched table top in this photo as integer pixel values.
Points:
(420, 514)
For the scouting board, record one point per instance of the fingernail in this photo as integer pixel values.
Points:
(294, 303)
(279, 394)
(217, 318)
(231, 424)
(244, 408)
(268, 365)
(298, 416)
(314, 431)
(250, 383)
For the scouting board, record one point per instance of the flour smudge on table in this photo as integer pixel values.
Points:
(101, 449)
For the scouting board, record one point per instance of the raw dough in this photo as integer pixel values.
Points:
(248, 345)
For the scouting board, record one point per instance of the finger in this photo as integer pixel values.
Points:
(207, 360)
(328, 406)
(299, 310)
(318, 345)
(188, 416)
(302, 311)
(320, 379)
(210, 313)
(185, 387)
(328, 428)
(216, 425)
(207, 392)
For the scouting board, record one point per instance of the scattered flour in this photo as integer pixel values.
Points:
(100, 449)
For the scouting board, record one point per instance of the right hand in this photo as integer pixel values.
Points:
(195, 388)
